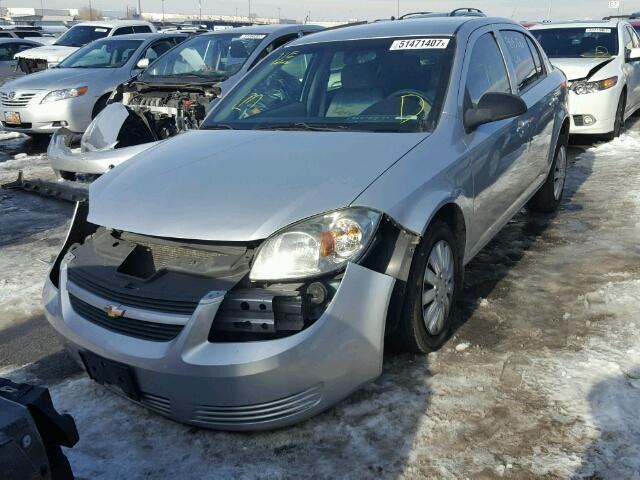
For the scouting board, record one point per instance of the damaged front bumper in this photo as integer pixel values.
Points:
(64, 158)
(97, 153)
(249, 385)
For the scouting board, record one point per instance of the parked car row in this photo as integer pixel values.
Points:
(279, 203)
(248, 273)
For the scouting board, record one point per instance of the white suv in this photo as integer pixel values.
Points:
(79, 35)
(602, 62)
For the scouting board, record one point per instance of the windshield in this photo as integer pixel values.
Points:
(108, 53)
(589, 42)
(80, 35)
(388, 85)
(211, 56)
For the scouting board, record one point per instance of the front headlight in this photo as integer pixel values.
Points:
(316, 246)
(63, 94)
(582, 88)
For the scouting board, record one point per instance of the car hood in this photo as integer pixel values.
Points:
(50, 53)
(241, 185)
(580, 68)
(56, 78)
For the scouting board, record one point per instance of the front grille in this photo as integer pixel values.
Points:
(130, 299)
(18, 100)
(155, 332)
(215, 416)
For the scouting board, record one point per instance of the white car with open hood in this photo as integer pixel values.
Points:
(601, 60)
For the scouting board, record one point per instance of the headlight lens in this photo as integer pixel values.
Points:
(582, 88)
(63, 94)
(316, 246)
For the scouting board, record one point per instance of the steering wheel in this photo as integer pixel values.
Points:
(423, 98)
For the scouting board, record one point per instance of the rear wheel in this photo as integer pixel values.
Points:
(548, 198)
(432, 290)
(619, 122)
(65, 175)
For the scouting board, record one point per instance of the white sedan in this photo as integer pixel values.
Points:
(601, 59)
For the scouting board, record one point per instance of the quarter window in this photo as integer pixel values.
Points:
(487, 71)
(521, 58)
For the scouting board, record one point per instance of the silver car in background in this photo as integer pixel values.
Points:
(73, 93)
(248, 275)
(172, 96)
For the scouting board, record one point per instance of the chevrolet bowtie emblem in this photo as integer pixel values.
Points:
(113, 311)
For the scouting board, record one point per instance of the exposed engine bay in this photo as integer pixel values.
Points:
(162, 111)
(32, 65)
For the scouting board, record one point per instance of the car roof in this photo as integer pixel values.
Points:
(580, 24)
(112, 23)
(15, 40)
(411, 27)
(140, 36)
(267, 29)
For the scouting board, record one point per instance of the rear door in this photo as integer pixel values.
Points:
(495, 150)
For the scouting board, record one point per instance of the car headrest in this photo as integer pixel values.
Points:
(359, 75)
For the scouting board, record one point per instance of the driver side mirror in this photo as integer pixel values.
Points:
(493, 107)
(633, 54)
(143, 63)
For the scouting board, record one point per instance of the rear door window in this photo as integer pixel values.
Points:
(487, 71)
(523, 64)
(141, 29)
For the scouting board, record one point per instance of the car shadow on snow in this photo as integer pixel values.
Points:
(10, 147)
(614, 410)
(484, 274)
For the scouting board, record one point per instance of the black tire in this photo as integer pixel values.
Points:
(66, 175)
(547, 199)
(99, 106)
(619, 123)
(411, 334)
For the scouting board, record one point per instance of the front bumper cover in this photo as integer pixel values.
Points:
(63, 158)
(248, 385)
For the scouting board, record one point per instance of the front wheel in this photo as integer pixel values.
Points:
(548, 198)
(433, 286)
(619, 121)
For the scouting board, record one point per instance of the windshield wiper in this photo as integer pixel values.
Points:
(217, 126)
(304, 126)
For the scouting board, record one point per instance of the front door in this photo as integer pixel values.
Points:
(496, 150)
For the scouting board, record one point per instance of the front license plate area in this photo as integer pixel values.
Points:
(109, 373)
(12, 118)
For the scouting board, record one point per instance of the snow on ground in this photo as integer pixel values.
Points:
(542, 378)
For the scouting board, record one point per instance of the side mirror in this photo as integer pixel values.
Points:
(493, 107)
(142, 63)
(634, 54)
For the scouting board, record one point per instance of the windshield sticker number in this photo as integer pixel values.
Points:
(598, 30)
(420, 44)
(286, 58)
(100, 29)
(251, 36)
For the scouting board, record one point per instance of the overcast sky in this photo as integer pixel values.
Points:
(344, 9)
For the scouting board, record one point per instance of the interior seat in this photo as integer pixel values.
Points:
(359, 91)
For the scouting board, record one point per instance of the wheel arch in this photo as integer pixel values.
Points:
(104, 98)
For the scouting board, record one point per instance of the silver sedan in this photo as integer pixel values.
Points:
(248, 275)
(74, 92)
